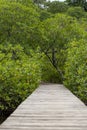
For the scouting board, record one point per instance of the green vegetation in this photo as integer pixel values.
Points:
(58, 31)
(41, 42)
(19, 76)
(76, 68)
(76, 12)
(57, 7)
(76, 2)
(18, 23)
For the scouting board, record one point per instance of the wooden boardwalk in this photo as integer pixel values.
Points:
(50, 107)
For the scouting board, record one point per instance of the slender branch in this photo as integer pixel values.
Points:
(56, 67)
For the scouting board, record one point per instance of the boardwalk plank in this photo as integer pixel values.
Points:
(50, 107)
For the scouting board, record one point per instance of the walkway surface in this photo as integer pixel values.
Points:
(50, 107)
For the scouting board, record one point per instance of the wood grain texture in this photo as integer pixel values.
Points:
(50, 107)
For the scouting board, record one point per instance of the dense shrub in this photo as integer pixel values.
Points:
(76, 69)
(18, 23)
(49, 73)
(57, 32)
(19, 76)
(77, 12)
(57, 7)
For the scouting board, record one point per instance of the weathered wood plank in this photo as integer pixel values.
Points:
(50, 107)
